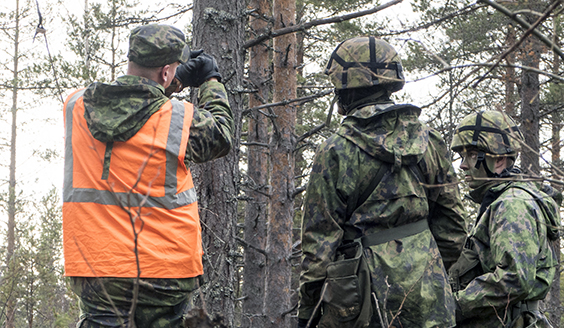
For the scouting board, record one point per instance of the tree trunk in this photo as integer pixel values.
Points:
(219, 30)
(530, 101)
(256, 209)
(279, 239)
(10, 259)
(553, 297)
(510, 74)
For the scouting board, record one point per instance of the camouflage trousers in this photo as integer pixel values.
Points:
(106, 302)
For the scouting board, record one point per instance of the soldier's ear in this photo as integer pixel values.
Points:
(165, 74)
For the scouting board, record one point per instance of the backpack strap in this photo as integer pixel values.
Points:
(393, 233)
(384, 168)
(350, 234)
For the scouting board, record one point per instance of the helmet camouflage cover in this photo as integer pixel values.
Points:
(365, 62)
(493, 132)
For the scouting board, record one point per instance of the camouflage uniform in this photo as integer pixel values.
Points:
(116, 112)
(513, 263)
(408, 275)
(510, 237)
(161, 303)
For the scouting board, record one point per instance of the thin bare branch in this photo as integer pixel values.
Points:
(286, 102)
(258, 144)
(446, 66)
(246, 244)
(298, 191)
(310, 132)
(470, 74)
(526, 25)
(308, 25)
(460, 12)
(531, 29)
(317, 306)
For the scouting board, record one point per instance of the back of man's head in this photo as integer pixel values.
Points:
(157, 45)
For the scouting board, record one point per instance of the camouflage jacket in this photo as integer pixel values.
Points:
(115, 112)
(518, 264)
(412, 266)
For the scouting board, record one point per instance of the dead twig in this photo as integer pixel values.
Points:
(526, 25)
(286, 102)
(530, 30)
(308, 25)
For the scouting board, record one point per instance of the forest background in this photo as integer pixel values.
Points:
(458, 56)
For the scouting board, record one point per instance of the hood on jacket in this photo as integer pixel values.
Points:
(391, 133)
(117, 111)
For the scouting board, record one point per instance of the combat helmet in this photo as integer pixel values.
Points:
(365, 62)
(491, 132)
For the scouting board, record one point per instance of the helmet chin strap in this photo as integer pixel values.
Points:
(482, 161)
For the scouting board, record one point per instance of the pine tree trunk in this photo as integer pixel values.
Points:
(10, 259)
(553, 297)
(219, 30)
(530, 87)
(256, 209)
(279, 239)
(510, 74)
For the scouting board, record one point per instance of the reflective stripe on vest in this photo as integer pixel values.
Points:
(105, 197)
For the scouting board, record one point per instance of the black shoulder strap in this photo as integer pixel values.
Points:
(384, 168)
(352, 205)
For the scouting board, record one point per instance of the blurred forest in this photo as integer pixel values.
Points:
(459, 56)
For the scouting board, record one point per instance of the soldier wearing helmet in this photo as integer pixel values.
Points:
(382, 219)
(507, 264)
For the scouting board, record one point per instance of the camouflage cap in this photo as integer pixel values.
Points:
(156, 45)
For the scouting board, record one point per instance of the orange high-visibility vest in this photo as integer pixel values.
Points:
(148, 188)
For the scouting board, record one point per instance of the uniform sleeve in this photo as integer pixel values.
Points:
(321, 233)
(211, 132)
(446, 217)
(507, 240)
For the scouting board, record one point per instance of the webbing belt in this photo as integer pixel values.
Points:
(400, 232)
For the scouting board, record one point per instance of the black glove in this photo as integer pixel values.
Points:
(199, 68)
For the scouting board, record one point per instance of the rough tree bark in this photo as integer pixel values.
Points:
(553, 297)
(279, 238)
(510, 74)
(219, 30)
(530, 52)
(256, 209)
